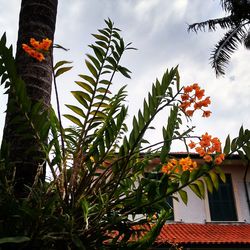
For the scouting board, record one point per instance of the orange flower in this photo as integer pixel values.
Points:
(208, 158)
(198, 105)
(187, 164)
(191, 144)
(185, 105)
(216, 144)
(196, 86)
(206, 102)
(218, 161)
(189, 112)
(194, 164)
(39, 56)
(188, 89)
(184, 97)
(209, 145)
(206, 137)
(200, 151)
(27, 48)
(177, 170)
(38, 48)
(35, 44)
(206, 113)
(174, 161)
(192, 97)
(199, 93)
(165, 169)
(205, 143)
(45, 44)
(175, 166)
(222, 156)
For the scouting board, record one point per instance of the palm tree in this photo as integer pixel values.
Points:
(37, 19)
(236, 23)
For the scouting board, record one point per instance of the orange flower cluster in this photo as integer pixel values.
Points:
(178, 166)
(37, 48)
(192, 100)
(207, 146)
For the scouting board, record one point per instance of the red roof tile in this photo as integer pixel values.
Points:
(204, 234)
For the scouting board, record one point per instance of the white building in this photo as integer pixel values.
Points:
(220, 221)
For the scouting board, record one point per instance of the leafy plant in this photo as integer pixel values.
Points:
(98, 184)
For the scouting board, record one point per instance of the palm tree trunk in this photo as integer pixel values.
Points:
(37, 19)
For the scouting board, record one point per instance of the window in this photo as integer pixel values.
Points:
(169, 199)
(221, 202)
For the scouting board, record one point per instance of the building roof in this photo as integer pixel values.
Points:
(204, 234)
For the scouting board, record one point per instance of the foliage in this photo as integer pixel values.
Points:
(99, 195)
(237, 23)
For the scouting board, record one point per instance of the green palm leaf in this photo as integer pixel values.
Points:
(226, 46)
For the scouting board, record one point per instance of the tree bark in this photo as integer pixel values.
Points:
(37, 19)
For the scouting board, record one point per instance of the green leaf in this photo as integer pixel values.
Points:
(112, 61)
(104, 32)
(3, 39)
(214, 179)
(89, 79)
(163, 184)
(100, 37)
(124, 71)
(101, 104)
(169, 132)
(102, 97)
(209, 183)
(82, 94)
(221, 173)
(80, 97)
(4, 78)
(60, 63)
(74, 120)
(194, 174)
(234, 145)
(17, 239)
(91, 68)
(94, 60)
(106, 82)
(109, 23)
(99, 52)
(98, 113)
(62, 70)
(85, 86)
(145, 110)
(76, 110)
(184, 196)
(195, 188)
(185, 177)
(102, 44)
(135, 127)
(103, 90)
(58, 46)
(227, 146)
(201, 187)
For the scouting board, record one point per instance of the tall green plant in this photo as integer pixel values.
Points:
(98, 186)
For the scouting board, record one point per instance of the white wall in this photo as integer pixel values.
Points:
(197, 210)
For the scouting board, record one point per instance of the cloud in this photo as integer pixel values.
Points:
(159, 30)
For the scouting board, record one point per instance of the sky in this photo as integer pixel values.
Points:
(158, 29)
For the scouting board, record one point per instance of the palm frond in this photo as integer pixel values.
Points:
(224, 23)
(227, 5)
(247, 40)
(225, 47)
